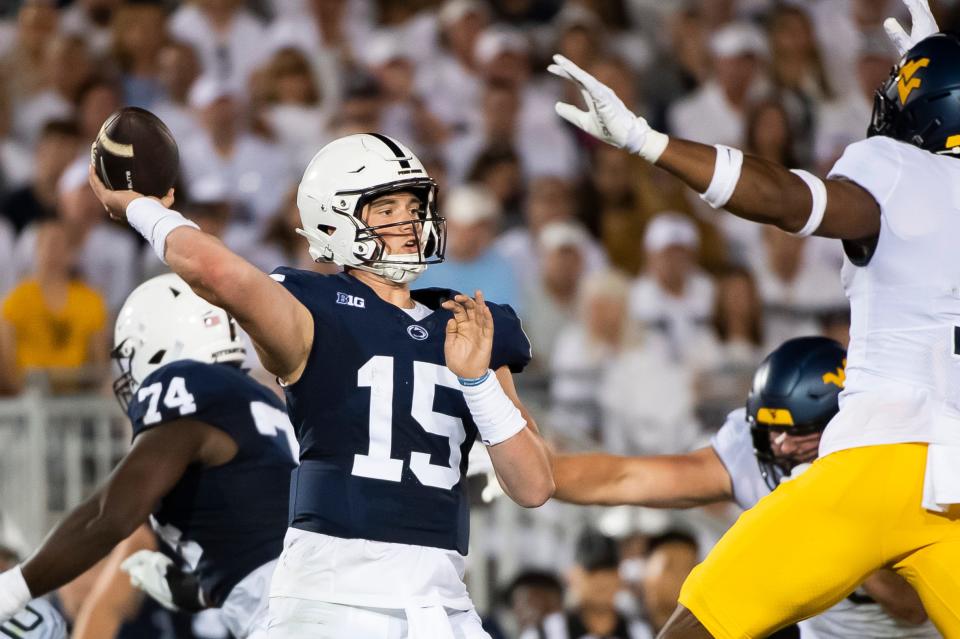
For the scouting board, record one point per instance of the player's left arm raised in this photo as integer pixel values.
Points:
(520, 456)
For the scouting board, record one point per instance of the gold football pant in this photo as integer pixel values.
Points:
(816, 538)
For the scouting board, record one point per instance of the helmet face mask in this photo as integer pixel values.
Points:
(794, 391)
(341, 180)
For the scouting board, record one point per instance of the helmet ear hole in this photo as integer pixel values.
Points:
(158, 356)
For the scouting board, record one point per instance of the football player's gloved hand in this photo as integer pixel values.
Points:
(157, 575)
(606, 117)
(923, 25)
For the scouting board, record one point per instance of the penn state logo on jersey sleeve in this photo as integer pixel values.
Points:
(383, 426)
(38, 620)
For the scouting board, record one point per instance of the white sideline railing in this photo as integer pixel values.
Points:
(53, 452)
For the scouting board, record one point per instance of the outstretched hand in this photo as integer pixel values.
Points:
(923, 24)
(116, 202)
(469, 336)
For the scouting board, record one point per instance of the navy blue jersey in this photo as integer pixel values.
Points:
(383, 427)
(227, 520)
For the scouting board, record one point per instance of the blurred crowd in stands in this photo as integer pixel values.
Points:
(647, 310)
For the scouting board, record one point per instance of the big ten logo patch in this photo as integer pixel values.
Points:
(351, 300)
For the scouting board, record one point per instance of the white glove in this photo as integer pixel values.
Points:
(148, 572)
(923, 25)
(606, 117)
(14, 593)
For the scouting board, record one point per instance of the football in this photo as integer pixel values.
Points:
(135, 150)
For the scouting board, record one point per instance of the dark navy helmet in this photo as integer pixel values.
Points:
(794, 390)
(920, 102)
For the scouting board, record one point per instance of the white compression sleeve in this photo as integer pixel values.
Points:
(496, 416)
(726, 174)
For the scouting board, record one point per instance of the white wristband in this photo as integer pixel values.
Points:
(496, 416)
(654, 144)
(154, 222)
(14, 593)
(818, 191)
(726, 174)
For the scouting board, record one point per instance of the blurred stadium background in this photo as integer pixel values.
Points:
(647, 311)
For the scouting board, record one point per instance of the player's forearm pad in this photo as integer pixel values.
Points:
(14, 592)
(496, 416)
(726, 174)
(154, 222)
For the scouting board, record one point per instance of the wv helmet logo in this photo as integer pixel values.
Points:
(417, 332)
(906, 83)
(838, 378)
(351, 300)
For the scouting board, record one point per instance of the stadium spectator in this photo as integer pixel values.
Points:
(255, 171)
(670, 558)
(593, 585)
(291, 104)
(533, 595)
(451, 79)
(229, 40)
(177, 70)
(472, 262)
(549, 199)
(738, 319)
(406, 114)
(22, 67)
(57, 147)
(52, 321)
(716, 111)
(106, 256)
(91, 20)
(673, 298)
(97, 99)
(551, 299)
(795, 285)
(139, 33)
(67, 67)
(798, 74)
(498, 169)
(840, 121)
(583, 351)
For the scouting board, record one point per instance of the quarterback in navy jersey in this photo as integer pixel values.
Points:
(210, 466)
(387, 388)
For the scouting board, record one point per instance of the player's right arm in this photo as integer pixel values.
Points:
(765, 192)
(280, 327)
(661, 481)
(156, 461)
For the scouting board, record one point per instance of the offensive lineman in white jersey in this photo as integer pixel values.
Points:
(773, 439)
(885, 492)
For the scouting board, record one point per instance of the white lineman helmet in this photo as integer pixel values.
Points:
(347, 174)
(163, 321)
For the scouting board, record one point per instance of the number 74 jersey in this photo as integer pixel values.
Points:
(383, 427)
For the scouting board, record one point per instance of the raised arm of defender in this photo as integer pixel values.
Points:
(747, 186)
(279, 325)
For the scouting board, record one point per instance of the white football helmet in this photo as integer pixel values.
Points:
(347, 174)
(163, 321)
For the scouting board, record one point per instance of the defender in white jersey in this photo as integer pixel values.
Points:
(885, 493)
(771, 440)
